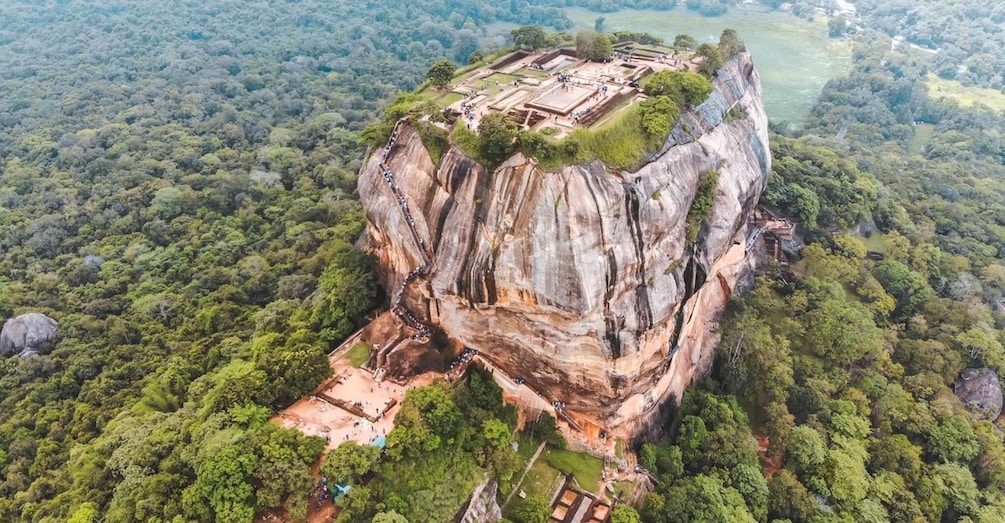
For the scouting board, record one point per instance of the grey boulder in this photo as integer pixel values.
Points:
(28, 335)
(980, 392)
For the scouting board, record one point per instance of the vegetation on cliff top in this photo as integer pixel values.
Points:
(624, 141)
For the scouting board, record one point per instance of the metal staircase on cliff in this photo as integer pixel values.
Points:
(398, 302)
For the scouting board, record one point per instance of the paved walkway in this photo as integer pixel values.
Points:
(540, 448)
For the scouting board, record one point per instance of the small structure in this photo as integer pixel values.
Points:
(576, 506)
(776, 230)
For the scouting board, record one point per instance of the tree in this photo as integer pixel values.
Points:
(981, 343)
(837, 26)
(496, 133)
(598, 24)
(801, 203)
(346, 290)
(625, 514)
(591, 45)
(960, 488)
(85, 513)
(529, 37)
(544, 426)
(684, 42)
(705, 498)
(750, 483)
(534, 509)
(497, 434)
(846, 477)
(953, 440)
(441, 72)
(647, 456)
(659, 114)
(223, 486)
(687, 89)
(701, 205)
(388, 517)
(356, 504)
(905, 285)
(805, 451)
(730, 43)
(430, 406)
(896, 453)
(789, 499)
(841, 331)
(348, 462)
(293, 371)
(711, 59)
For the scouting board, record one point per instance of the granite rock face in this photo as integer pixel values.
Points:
(981, 392)
(581, 282)
(482, 507)
(27, 335)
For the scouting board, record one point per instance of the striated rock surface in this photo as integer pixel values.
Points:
(27, 335)
(482, 507)
(981, 392)
(581, 282)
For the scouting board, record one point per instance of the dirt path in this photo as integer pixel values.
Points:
(540, 448)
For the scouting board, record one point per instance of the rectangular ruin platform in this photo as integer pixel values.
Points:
(562, 99)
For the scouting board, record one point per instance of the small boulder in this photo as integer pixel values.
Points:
(28, 335)
(980, 392)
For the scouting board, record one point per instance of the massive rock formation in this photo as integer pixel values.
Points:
(27, 335)
(581, 282)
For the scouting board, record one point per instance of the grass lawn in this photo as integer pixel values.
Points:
(502, 78)
(613, 114)
(622, 489)
(583, 466)
(542, 479)
(619, 448)
(449, 99)
(528, 446)
(967, 96)
(922, 135)
(358, 354)
(533, 73)
(874, 242)
(429, 94)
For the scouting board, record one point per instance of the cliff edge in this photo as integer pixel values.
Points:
(579, 285)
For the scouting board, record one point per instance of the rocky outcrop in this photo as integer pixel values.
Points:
(981, 392)
(28, 335)
(482, 507)
(580, 282)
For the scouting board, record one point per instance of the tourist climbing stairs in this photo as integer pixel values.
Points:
(398, 302)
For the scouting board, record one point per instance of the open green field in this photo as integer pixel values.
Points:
(967, 96)
(358, 354)
(542, 479)
(922, 135)
(449, 98)
(794, 57)
(874, 242)
(583, 466)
